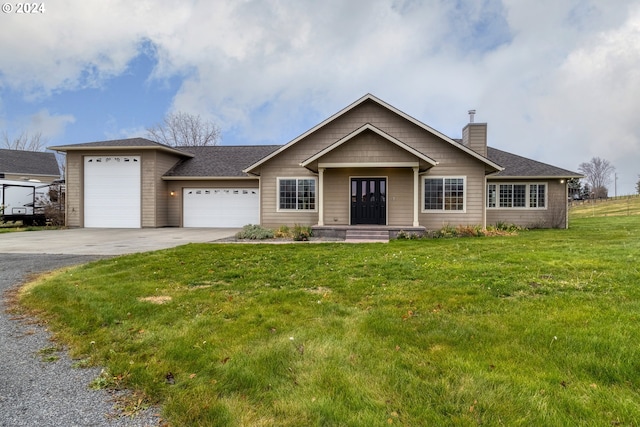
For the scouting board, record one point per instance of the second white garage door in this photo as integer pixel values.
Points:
(220, 207)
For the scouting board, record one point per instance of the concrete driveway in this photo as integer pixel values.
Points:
(102, 241)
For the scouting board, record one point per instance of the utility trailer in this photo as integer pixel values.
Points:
(23, 201)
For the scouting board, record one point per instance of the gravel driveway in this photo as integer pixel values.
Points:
(34, 392)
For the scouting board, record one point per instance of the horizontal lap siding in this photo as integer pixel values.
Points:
(553, 216)
(163, 162)
(175, 214)
(369, 147)
(457, 166)
(336, 196)
(73, 180)
(452, 161)
(400, 197)
(148, 189)
(338, 191)
(269, 198)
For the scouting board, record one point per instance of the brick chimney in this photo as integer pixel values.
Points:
(474, 135)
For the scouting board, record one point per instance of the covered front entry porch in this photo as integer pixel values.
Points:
(370, 178)
(359, 197)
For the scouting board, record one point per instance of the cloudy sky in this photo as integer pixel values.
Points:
(556, 80)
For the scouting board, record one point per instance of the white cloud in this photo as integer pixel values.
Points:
(42, 122)
(50, 125)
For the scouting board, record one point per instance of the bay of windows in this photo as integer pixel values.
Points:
(516, 195)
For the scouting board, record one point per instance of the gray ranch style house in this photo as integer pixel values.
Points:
(368, 165)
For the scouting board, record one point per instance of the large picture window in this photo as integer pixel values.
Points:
(296, 194)
(516, 196)
(444, 194)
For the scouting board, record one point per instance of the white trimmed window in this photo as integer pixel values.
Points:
(296, 194)
(444, 194)
(517, 196)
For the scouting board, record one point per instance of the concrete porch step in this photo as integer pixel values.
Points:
(365, 235)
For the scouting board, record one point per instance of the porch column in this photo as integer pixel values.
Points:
(320, 196)
(416, 196)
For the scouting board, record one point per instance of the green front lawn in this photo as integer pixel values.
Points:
(538, 329)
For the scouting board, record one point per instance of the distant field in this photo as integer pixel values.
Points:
(615, 206)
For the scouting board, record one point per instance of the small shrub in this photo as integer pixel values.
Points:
(446, 231)
(54, 215)
(502, 229)
(403, 235)
(301, 232)
(508, 227)
(282, 232)
(449, 231)
(254, 232)
(469, 231)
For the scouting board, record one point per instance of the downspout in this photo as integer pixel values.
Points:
(484, 204)
(260, 199)
(320, 197)
(416, 196)
(566, 203)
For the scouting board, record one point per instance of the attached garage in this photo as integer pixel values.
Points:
(220, 207)
(112, 197)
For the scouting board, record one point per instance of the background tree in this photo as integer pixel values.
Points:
(597, 173)
(638, 185)
(183, 129)
(574, 188)
(24, 141)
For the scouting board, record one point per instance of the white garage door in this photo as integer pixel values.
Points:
(112, 191)
(220, 207)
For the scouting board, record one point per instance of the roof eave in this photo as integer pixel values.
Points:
(31, 174)
(505, 177)
(207, 178)
(65, 148)
(365, 127)
(360, 101)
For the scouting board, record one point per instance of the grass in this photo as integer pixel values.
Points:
(613, 206)
(13, 227)
(541, 328)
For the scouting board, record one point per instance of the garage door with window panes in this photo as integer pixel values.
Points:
(220, 207)
(112, 192)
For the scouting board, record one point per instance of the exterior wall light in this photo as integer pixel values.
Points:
(172, 193)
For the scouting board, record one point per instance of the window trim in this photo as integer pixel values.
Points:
(297, 178)
(443, 210)
(527, 205)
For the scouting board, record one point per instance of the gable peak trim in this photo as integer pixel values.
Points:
(360, 130)
(363, 99)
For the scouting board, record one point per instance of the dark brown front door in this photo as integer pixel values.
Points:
(368, 201)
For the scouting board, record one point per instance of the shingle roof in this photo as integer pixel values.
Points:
(132, 143)
(220, 160)
(28, 162)
(129, 142)
(370, 98)
(518, 166)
